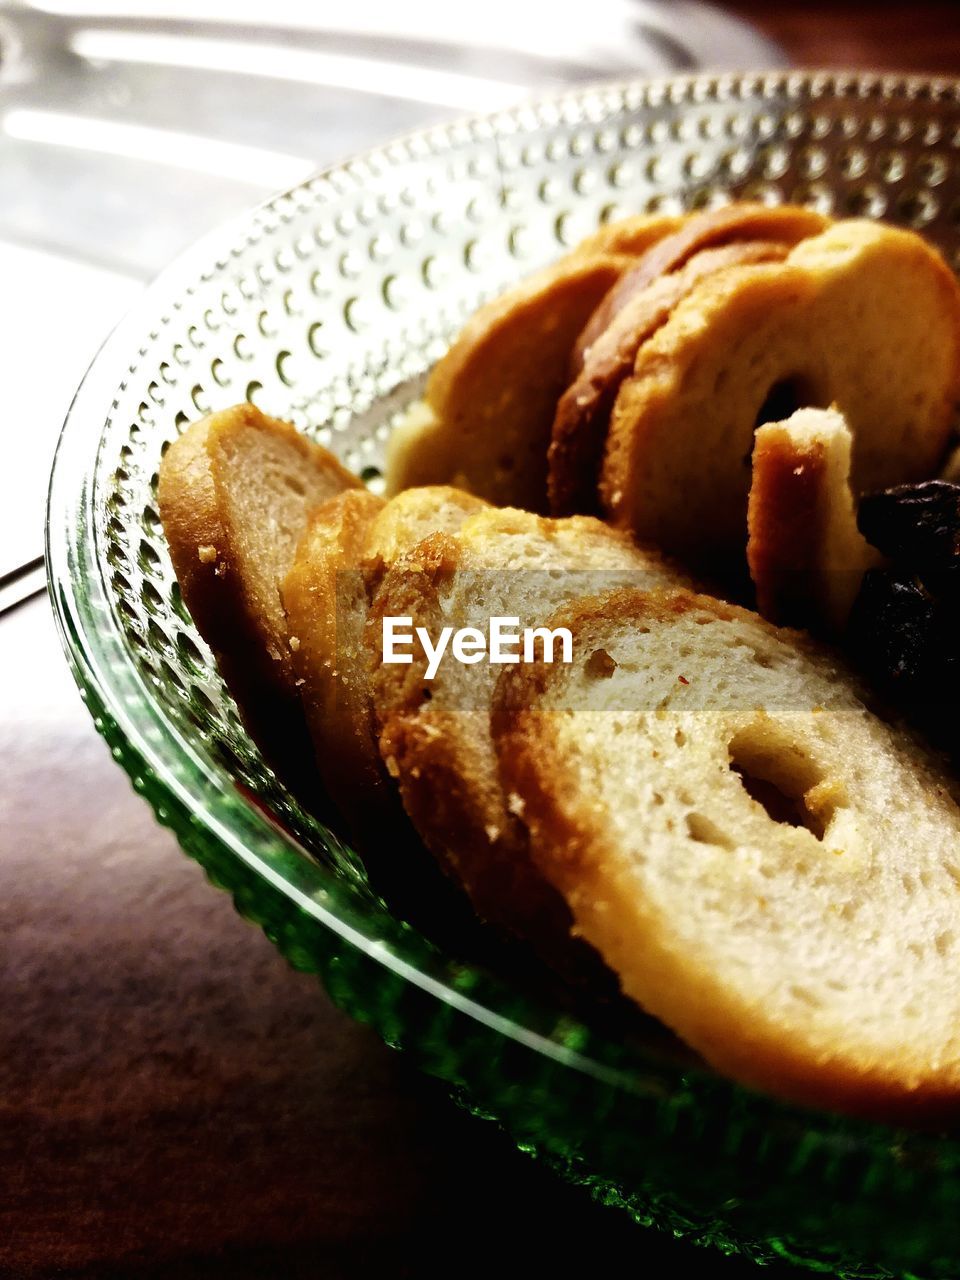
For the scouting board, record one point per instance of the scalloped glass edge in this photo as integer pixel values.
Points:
(383, 976)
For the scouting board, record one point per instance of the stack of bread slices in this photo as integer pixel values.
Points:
(729, 320)
(706, 802)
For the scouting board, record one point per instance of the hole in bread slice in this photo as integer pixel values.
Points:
(777, 773)
(785, 397)
(705, 831)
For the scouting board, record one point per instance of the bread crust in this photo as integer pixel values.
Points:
(784, 522)
(580, 424)
(684, 421)
(430, 752)
(632, 236)
(782, 224)
(214, 572)
(435, 737)
(805, 553)
(489, 403)
(413, 515)
(578, 850)
(324, 595)
(349, 544)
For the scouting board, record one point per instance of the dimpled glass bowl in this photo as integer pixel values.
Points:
(328, 305)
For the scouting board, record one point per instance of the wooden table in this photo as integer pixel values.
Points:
(174, 1102)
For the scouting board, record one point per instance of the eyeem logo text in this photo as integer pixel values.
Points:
(504, 642)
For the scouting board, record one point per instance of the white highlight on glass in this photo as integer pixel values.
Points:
(384, 77)
(254, 165)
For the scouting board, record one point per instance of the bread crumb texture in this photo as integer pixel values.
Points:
(768, 866)
(507, 563)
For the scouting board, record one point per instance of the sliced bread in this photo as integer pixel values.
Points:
(435, 733)
(324, 595)
(752, 344)
(580, 424)
(741, 221)
(234, 493)
(769, 867)
(806, 555)
(485, 421)
(349, 543)
(413, 515)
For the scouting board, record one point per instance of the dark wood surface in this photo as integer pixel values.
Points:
(881, 36)
(174, 1102)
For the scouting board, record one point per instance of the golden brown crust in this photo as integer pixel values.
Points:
(429, 752)
(325, 598)
(805, 553)
(583, 411)
(576, 850)
(209, 565)
(492, 397)
(785, 524)
(350, 544)
(415, 514)
(192, 523)
(828, 322)
(212, 563)
(785, 224)
(490, 400)
(434, 736)
(632, 236)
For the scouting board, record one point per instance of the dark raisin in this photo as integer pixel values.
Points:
(891, 625)
(918, 524)
(904, 629)
(906, 642)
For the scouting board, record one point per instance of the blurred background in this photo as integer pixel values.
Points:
(174, 1101)
(129, 129)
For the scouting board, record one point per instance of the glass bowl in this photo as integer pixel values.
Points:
(327, 305)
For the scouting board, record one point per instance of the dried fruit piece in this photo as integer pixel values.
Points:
(918, 524)
(905, 641)
(891, 628)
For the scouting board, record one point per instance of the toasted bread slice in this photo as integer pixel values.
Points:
(485, 421)
(806, 555)
(583, 413)
(435, 735)
(350, 541)
(753, 343)
(416, 513)
(633, 236)
(235, 492)
(325, 599)
(741, 221)
(768, 867)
